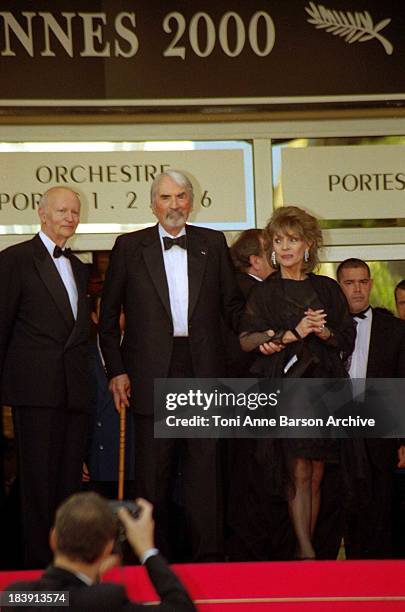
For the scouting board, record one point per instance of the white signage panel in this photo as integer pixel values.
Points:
(347, 182)
(115, 186)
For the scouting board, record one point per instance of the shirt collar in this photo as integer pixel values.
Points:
(255, 277)
(84, 578)
(163, 232)
(48, 243)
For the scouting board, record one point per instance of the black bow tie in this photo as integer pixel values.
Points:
(58, 252)
(361, 314)
(181, 241)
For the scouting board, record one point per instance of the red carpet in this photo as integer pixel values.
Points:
(306, 586)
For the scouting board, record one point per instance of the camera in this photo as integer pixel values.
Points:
(134, 511)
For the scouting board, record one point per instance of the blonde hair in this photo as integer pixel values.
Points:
(295, 220)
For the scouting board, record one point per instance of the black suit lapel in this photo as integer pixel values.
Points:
(52, 280)
(197, 252)
(152, 253)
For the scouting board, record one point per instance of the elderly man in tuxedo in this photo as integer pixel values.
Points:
(44, 328)
(174, 282)
(379, 353)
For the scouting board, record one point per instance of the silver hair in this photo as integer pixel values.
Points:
(178, 177)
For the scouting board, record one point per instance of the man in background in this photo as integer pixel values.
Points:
(398, 525)
(250, 257)
(379, 353)
(400, 299)
(44, 329)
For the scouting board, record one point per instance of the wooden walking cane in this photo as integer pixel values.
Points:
(122, 546)
(121, 460)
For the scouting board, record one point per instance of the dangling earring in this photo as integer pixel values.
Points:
(306, 255)
(273, 259)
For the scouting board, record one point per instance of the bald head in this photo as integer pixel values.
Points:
(57, 193)
(59, 213)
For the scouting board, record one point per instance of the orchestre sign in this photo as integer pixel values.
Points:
(348, 182)
(115, 186)
(153, 53)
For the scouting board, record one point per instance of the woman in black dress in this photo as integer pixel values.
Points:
(313, 335)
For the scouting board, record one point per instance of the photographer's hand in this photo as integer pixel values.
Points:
(139, 531)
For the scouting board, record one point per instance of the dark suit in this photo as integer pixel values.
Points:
(369, 529)
(136, 278)
(109, 596)
(246, 282)
(104, 429)
(249, 522)
(44, 377)
(238, 362)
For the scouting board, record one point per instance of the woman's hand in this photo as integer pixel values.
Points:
(269, 348)
(314, 321)
(321, 331)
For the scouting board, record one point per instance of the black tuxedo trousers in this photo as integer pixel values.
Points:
(159, 461)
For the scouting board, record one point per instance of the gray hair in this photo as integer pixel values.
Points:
(178, 177)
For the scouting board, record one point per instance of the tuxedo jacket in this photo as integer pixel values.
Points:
(386, 359)
(238, 361)
(136, 278)
(246, 282)
(109, 596)
(386, 354)
(43, 349)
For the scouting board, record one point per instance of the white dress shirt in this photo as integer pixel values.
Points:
(358, 365)
(83, 577)
(359, 358)
(255, 277)
(175, 261)
(64, 268)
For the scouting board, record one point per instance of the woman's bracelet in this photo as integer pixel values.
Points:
(295, 333)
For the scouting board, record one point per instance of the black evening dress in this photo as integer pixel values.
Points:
(279, 304)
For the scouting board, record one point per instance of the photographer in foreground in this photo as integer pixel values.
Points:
(82, 541)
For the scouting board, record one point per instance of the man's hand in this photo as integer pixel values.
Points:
(120, 387)
(85, 473)
(401, 456)
(139, 531)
